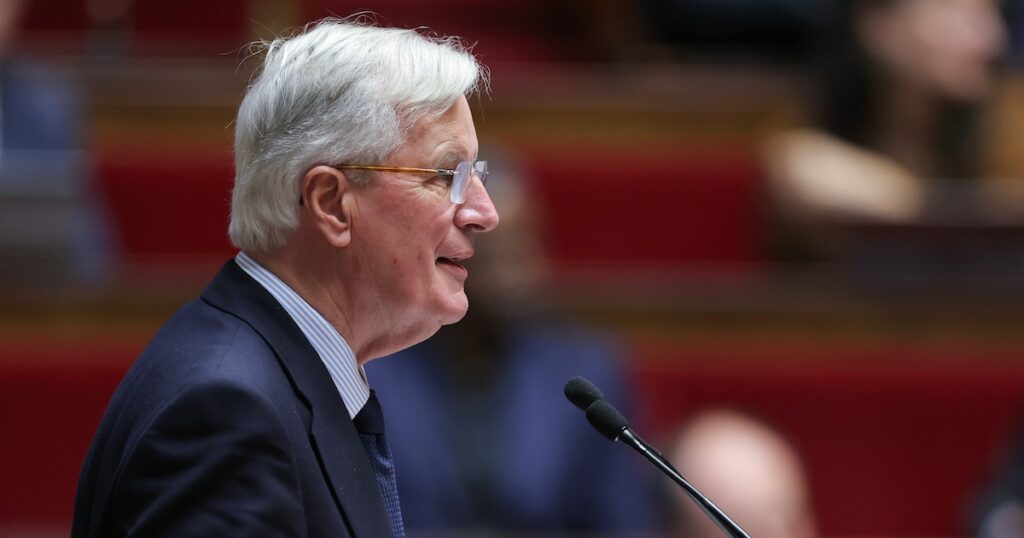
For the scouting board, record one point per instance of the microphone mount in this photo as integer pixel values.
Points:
(609, 422)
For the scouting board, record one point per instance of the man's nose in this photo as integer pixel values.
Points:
(477, 212)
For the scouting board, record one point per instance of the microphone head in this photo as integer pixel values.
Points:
(606, 419)
(582, 393)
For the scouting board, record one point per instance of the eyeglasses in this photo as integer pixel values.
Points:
(459, 177)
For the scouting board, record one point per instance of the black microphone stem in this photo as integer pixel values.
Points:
(727, 525)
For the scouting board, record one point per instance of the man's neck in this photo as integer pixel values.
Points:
(312, 287)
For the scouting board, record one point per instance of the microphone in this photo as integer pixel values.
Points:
(609, 422)
(581, 392)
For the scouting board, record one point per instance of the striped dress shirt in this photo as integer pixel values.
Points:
(337, 356)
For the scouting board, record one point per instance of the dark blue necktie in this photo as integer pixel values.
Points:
(370, 424)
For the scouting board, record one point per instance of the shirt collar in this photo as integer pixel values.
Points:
(337, 356)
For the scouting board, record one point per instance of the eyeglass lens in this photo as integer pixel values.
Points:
(463, 174)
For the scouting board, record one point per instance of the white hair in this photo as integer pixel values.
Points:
(339, 92)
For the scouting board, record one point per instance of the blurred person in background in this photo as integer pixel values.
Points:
(897, 140)
(746, 468)
(53, 226)
(491, 445)
(40, 114)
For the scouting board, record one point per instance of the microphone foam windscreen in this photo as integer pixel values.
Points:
(581, 392)
(606, 419)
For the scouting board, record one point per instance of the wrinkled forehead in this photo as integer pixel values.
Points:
(448, 135)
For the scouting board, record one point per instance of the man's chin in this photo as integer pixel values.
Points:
(456, 309)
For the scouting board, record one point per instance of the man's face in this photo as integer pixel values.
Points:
(410, 238)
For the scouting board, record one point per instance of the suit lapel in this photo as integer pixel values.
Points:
(335, 440)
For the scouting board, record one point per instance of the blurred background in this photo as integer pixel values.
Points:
(799, 224)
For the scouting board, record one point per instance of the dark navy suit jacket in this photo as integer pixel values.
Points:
(228, 424)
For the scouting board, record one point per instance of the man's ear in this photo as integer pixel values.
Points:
(326, 199)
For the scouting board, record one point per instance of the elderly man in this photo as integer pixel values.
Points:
(357, 196)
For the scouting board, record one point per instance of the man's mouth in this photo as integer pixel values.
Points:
(449, 261)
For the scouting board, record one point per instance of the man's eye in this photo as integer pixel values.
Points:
(446, 178)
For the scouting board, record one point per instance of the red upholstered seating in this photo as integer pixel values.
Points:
(660, 210)
(180, 27)
(51, 400)
(895, 438)
(168, 210)
(223, 22)
(527, 30)
(667, 209)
